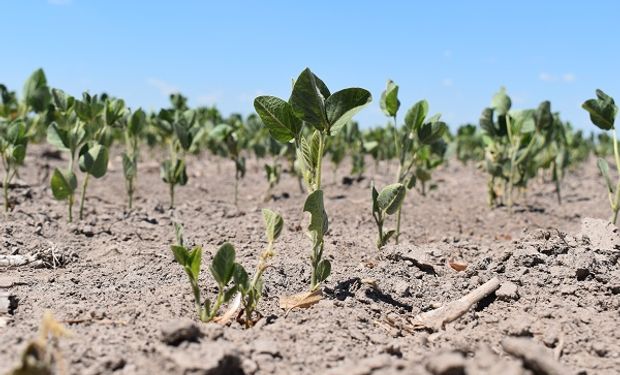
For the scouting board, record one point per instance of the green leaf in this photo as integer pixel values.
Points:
(94, 160)
(323, 270)
(113, 111)
(389, 99)
(223, 265)
(183, 135)
(432, 132)
(19, 154)
(58, 137)
(195, 260)
(178, 232)
(63, 184)
(180, 254)
(604, 168)
(221, 131)
(273, 224)
(308, 100)
(242, 281)
(375, 194)
(129, 167)
(36, 93)
(543, 116)
(279, 118)
(62, 101)
(318, 217)
(415, 115)
(136, 122)
(176, 175)
(342, 105)
(602, 110)
(501, 102)
(390, 198)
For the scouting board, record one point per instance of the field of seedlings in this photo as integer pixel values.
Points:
(297, 241)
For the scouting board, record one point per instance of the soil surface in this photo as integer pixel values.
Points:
(111, 278)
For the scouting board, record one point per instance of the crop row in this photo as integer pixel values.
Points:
(512, 146)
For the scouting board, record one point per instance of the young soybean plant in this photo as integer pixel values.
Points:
(603, 111)
(384, 203)
(133, 132)
(414, 141)
(222, 269)
(252, 290)
(232, 137)
(312, 104)
(15, 124)
(179, 130)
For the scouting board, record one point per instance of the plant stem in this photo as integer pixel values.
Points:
(398, 215)
(71, 208)
(320, 160)
(5, 188)
(130, 192)
(83, 197)
(616, 203)
(171, 194)
(197, 303)
(236, 191)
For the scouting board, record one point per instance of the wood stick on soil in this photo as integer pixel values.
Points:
(436, 319)
(16, 260)
(534, 356)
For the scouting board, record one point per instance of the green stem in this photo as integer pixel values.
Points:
(83, 196)
(616, 203)
(71, 199)
(197, 303)
(5, 188)
(171, 194)
(320, 160)
(130, 192)
(236, 190)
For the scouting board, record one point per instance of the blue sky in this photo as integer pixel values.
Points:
(456, 54)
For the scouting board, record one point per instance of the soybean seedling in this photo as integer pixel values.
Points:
(512, 140)
(603, 111)
(231, 136)
(177, 126)
(311, 104)
(222, 269)
(272, 173)
(415, 142)
(252, 290)
(15, 124)
(384, 203)
(133, 131)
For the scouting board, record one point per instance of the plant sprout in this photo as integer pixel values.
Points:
(133, 131)
(603, 111)
(384, 203)
(15, 124)
(252, 290)
(311, 104)
(412, 142)
(231, 136)
(177, 126)
(222, 269)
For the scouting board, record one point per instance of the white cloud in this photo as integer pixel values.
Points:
(59, 2)
(566, 77)
(165, 88)
(546, 77)
(447, 82)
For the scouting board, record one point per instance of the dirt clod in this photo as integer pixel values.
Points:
(178, 331)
